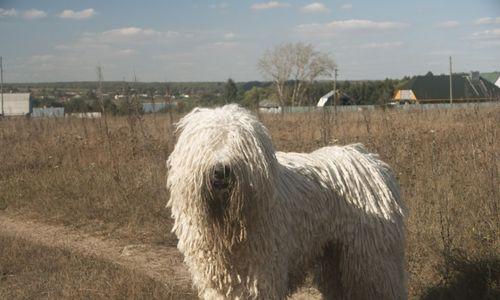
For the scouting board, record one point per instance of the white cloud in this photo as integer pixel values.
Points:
(77, 15)
(269, 5)
(40, 58)
(487, 34)
(488, 20)
(8, 12)
(62, 47)
(119, 38)
(347, 25)
(354, 24)
(221, 45)
(34, 14)
(177, 57)
(385, 45)
(134, 32)
(445, 52)
(315, 7)
(229, 35)
(485, 39)
(120, 41)
(30, 14)
(447, 24)
(125, 52)
(346, 6)
(487, 44)
(222, 5)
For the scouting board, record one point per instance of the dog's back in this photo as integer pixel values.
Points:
(354, 174)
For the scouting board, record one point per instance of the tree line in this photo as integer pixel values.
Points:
(247, 94)
(296, 74)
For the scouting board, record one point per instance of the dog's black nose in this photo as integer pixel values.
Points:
(221, 171)
(221, 177)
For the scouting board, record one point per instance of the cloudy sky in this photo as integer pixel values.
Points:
(55, 40)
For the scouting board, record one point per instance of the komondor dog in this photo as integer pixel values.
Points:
(252, 222)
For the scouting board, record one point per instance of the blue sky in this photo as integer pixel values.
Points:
(55, 40)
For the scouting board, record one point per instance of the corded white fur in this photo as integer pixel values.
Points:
(336, 213)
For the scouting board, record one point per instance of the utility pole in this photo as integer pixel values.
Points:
(1, 82)
(335, 87)
(169, 103)
(99, 82)
(451, 84)
(334, 97)
(99, 88)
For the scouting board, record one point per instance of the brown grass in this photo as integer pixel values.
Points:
(37, 272)
(110, 179)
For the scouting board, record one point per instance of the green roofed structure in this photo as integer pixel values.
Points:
(493, 77)
(436, 89)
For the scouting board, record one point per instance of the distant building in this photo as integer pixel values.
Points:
(327, 99)
(153, 107)
(435, 89)
(48, 112)
(493, 77)
(269, 106)
(87, 115)
(16, 104)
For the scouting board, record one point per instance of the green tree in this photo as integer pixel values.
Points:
(230, 91)
(77, 105)
(252, 97)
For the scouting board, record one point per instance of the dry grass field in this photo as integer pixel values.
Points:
(106, 177)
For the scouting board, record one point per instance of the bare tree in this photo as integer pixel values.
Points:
(292, 67)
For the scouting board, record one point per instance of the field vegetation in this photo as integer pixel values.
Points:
(106, 177)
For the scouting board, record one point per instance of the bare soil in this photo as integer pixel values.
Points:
(160, 263)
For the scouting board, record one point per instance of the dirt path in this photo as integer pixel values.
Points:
(160, 263)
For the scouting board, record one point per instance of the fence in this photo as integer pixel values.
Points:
(48, 112)
(447, 105)
(156, 107)
(303, 109)
(341, 108)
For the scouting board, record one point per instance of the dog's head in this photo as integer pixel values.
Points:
(223, 164)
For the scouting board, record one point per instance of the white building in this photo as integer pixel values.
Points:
(322, 101)
(16, 104)
(269, 106)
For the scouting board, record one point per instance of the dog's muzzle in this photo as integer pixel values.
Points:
(221, 177)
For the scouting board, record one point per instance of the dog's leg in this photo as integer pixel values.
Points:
(327, 275)
(372, 268)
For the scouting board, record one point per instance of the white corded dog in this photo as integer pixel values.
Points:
(251, 222)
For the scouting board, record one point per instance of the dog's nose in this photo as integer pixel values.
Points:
(221, 171)
(221, 176)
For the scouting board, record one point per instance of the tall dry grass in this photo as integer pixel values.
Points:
(110, 179)
(74, 172)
